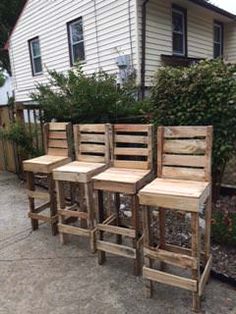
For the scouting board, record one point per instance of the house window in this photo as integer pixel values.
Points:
(179, 29)
(218, 40)
(76, 41)
(35, 56)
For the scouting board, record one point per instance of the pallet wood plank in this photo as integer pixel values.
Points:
(92, 138)
(205, 276)
(73, 230)
(130, 151)
(184, 173)
(39, 195)
(169, 279)
(117, 230)
(116, 249)
(138, 139)
(58, 143)
(183, 160)
(190, 147)
(56, 135)
(185, 131)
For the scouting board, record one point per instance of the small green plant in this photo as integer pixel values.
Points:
(224, 228)
(76, 97)
(203, 94)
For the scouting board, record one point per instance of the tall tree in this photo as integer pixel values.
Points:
(9, 12)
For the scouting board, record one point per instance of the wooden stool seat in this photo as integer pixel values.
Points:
(78, 171)
(121, 180)
(58, 153)
(178, 194)
(45, 163)
(92, 157)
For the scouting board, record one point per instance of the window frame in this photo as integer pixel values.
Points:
(32, 57)
(183, 12)
(220, 25)
(70, 40)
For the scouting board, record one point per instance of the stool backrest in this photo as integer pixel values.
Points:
(132, 146)
(92, 142)
(184, 152)
(57, 138)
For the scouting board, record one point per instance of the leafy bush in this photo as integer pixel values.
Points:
(224, 228)
(203, 94)
(75, 97)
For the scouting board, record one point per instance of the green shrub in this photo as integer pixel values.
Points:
(203, 94)
(76, 97)
(224, 228)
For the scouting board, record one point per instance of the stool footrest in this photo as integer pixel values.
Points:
(42, 207)
(43, 218)
(72, 213)
(205, 276)
(116, 249)
(39, 195)
(180, 260)
(74, 230)
(117, 230)
(169, 279)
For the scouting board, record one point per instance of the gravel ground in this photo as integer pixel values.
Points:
(38, 275)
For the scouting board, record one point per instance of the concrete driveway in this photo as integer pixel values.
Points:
(38, 275)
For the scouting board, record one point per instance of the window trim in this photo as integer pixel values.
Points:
(221, 26)
(34, 73)
(70, 43)
(183, 11)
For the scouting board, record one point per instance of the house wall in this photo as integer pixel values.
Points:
(159, 32)
(109, 31)
(230, 42)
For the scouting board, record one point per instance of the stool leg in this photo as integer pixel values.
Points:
(208, 228)
(53, 204)
(90, 210)
(196, 253)
(117, 205)
(135, 225)
(61, 204)
(147, 242)
(162, 228)
(83, 222)
(101, 254)
(31, 187)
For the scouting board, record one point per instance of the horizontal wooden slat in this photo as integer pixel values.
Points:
(117, 230)
(130, 164)
(57, 126)
(185, 131)
(169, 279)
(92, 128)
(73, 213)
(90, 158)
(58, 151)
(184, 146)
(180, 260)
(138, 139)
(92, 148)
(183, 173)
(116, 249)
(184, 160)
(43, 218)
(131, 127)
(39, 195)
(42, 207)
(57, 144)
(130, 151)
(92, 138)
(73, 230)
(57, 135)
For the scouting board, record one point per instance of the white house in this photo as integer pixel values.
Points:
(142, 34)
(6, 90)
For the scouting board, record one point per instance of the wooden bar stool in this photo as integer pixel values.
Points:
(92, 157)
(183, 184)
(58, 153)
(132, 163)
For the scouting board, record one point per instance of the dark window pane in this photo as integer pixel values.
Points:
(78, 52)
(178, 22)
(38, 65)
(77, 31)
(35, 48)
(178, 41)
(217, 33)
(217, 50)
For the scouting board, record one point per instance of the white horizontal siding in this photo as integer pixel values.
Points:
(230, 42)
(159, 33)
(47, 19)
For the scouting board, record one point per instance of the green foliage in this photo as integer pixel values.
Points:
(76, 97)
(18, 134)
(224, 228)
(203, 94)
(9, 11)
